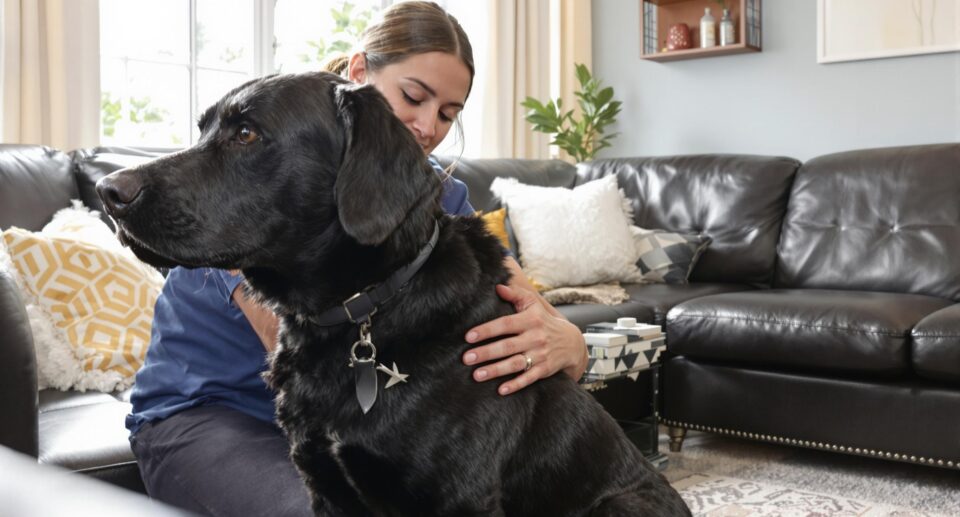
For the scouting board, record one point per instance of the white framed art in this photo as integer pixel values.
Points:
(850, 30)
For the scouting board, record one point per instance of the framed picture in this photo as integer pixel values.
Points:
(849, 30)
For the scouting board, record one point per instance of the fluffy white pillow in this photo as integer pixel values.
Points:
(570, 237)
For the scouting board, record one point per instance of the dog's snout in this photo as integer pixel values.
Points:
(119, 191)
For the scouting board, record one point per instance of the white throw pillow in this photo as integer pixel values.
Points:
(570, 237)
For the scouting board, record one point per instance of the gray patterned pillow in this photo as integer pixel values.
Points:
(667, 257)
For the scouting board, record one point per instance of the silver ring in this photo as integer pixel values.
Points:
(529, 361)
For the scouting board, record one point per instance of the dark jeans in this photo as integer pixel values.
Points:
(214, 460)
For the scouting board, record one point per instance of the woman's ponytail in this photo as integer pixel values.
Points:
(337, 65)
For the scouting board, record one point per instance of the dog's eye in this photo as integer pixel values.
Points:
(247, 135)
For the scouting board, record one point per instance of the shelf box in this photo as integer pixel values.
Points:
(657, 16)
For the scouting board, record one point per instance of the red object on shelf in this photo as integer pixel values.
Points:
(678, 37)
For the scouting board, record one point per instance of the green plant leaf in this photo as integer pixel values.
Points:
(583, 74)
(531, 103)
(604, 96)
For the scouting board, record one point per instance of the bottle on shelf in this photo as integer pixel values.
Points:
(708, 30)
(728, 36)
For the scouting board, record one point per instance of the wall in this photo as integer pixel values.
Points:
(776, 102)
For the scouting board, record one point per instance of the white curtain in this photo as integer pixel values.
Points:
(50, 72)
(533, 45)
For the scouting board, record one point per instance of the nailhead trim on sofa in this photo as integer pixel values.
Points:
(818, 445)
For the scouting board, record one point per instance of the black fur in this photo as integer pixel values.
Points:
(332, 198)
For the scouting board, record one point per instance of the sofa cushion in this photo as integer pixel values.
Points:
(936, 345)
(853, 331)
(736, 200)
(37, 181)
(84, 431)
(654, 301)
(878, 220)
(648, 303)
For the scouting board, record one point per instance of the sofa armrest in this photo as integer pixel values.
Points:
(18, 372)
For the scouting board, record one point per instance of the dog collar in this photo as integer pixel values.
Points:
(359, 307)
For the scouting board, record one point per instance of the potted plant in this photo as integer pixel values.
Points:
(580, 137)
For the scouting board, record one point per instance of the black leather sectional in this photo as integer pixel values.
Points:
(824, 313)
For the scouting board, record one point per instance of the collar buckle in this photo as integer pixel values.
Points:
(360, 307)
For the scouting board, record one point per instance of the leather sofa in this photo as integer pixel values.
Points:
(82, 432)
(855, 345)
(823, 314)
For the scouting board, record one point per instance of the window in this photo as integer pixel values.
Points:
(165, 61)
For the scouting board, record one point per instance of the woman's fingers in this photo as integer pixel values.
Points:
(552, 344)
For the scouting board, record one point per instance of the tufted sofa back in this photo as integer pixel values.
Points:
(479, 173)
(35, 182)
(738, 200)
(879, 219)
(38, 181)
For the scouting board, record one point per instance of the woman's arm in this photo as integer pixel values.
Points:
(264, 322)
(537, 331)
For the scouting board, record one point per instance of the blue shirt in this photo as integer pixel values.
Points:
(204, 351)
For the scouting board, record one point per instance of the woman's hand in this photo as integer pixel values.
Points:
(537, 331)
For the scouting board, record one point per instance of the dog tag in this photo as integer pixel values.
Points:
(364, 369)
(365, 375)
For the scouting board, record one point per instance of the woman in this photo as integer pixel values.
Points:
(202, 425)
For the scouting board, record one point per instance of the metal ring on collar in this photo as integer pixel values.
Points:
(353, 352)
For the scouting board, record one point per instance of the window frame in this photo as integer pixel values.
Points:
(264, 50)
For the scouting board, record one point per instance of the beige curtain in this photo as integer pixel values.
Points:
(50, 64)
(533, 45)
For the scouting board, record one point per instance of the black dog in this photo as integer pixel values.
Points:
(316, 191)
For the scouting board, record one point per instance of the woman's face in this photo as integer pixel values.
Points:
(426, 92)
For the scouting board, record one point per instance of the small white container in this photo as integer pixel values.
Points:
(728, 35)
(708, 30)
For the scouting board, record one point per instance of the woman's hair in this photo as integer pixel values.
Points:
(407, 29)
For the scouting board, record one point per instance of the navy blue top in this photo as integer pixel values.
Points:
(204, 351)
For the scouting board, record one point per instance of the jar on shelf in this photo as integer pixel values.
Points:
(708, 30)
(678, 37)
(728, 34)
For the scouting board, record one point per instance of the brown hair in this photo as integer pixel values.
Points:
(407, 29)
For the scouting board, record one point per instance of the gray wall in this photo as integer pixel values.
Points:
(776, 102)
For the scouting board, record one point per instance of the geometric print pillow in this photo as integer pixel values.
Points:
(666, 257)
(97, 295)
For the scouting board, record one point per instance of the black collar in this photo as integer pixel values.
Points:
(359, 307)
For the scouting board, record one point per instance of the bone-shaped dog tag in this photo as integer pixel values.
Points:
(365, 376)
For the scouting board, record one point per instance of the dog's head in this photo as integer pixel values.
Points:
(284, 163)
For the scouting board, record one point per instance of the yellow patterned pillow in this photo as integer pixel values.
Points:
(495, 222)
(94, 291)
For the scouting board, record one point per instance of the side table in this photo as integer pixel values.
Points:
(631, 395)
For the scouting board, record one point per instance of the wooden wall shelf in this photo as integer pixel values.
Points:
(657, 16)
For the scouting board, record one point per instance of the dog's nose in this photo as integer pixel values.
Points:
(118, 192)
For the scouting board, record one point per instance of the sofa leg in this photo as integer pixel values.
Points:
(677, 434)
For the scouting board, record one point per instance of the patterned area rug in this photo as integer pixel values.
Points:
(720, 476)
(717, 496)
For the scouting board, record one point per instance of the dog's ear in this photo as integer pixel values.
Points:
(382, 175)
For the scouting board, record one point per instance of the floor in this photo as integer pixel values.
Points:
(751, 473)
